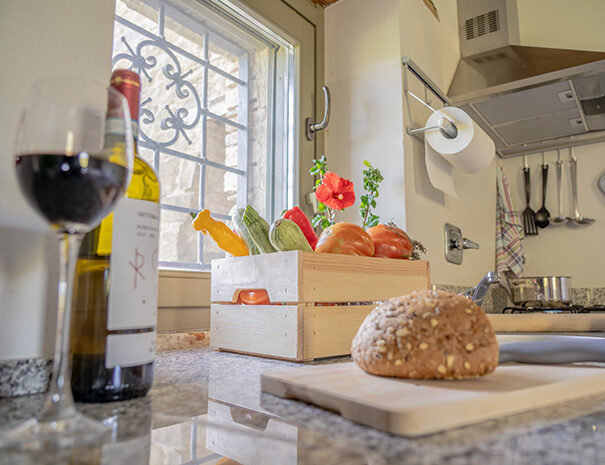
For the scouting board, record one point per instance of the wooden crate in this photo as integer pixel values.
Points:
(318, 301)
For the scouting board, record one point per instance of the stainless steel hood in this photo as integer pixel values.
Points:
(526, 98)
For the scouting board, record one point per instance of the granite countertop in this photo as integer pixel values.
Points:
(207, 405)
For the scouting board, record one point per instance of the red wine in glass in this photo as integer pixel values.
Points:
(71, 191)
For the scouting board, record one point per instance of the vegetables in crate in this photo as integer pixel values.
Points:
(298, 216)
(286, 235)
(241, 230)
(253, 297)
(347, 239)
(393, 242)
(258, 229)
(223, 236)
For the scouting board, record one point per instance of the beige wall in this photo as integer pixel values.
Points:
(432, 44)
(37, 39)
(364, 45)
(576, 24)
(363, 72)
(575, 251)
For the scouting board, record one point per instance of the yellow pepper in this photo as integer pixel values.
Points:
(223, 236)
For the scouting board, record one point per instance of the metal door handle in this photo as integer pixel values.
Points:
(311, 127)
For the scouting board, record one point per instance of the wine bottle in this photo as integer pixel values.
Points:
(115, 299)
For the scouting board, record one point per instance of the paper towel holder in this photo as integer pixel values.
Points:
(447, 126)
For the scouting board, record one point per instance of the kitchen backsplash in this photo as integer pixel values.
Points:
(496, 298)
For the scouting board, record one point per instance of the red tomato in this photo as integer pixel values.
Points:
(390, 241)
(253, 297)
(346, 239)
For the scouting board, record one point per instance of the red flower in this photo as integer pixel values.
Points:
(337, 193)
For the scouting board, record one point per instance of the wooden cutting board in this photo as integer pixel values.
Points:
(416, 408)
(547, 322)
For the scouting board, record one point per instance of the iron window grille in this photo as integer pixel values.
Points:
(190, 110)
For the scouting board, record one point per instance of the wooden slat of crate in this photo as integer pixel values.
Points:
(342, 278)
(268, 330)
(307, 277)
(329, 331)
(278, 273)
(290, 332)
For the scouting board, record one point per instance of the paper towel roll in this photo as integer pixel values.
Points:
(440, 171)
(471, 150)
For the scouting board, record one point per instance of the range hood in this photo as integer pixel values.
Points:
(526, 98)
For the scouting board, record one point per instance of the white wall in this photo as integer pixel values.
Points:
(364, 45)
(37, 39)
(575, 251)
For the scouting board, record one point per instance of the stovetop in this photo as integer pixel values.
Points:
(557, 309)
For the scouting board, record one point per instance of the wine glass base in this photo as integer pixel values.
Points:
(38, 435)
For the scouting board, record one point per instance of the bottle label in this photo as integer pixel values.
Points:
(127, 350)
(133, 276)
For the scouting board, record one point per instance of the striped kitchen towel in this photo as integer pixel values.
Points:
(510, 256)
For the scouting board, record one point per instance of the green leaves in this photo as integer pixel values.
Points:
(326, 219)
(319, 168)
(372, 177)
(321, 221)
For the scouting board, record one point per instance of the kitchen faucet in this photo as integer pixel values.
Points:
(477, 293)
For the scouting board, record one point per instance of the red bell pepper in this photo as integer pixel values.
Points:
(298, 216)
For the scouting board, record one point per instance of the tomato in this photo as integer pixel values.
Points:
(346, 239)
(390, 241)
(253, 297)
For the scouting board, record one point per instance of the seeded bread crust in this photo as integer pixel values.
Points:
(426, 335)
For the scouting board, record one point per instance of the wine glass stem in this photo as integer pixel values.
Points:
(59, 402)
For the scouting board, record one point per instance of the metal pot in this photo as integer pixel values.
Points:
(541, 290)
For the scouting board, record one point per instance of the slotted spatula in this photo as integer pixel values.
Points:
(529, 216)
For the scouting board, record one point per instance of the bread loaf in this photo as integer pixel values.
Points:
(426, 335)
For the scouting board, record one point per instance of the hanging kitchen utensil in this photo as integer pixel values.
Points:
(529, 216)
(573, 168)
(543, 214)
(559, 219)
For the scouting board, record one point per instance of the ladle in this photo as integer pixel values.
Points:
(559, 219)
(574, 191)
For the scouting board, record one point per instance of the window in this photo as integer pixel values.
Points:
(217, 119)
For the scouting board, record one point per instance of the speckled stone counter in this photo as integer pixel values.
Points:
(206, 405)
(30, 376)
(497, 298)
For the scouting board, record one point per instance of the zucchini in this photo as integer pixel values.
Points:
(240, 228)
(286, 235)
(258, 229)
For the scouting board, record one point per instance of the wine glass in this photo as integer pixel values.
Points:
(73, 175)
